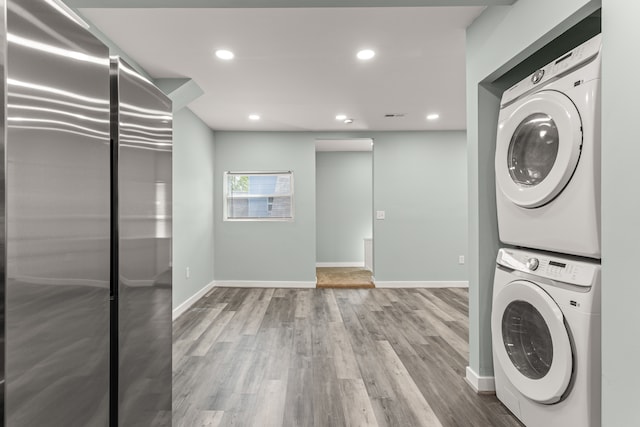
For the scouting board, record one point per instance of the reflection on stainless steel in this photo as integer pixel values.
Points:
(55, 111)
(132, 127)
(58, 129)
(155, 135)
(57, 195)
(64, 10)
(43, 100)
(144, 136)
(148, 141)
(163, 211)
(164, 119)
(55, 50)
(54, 91)
(56, 292)
(139, 147)
(44, 112)
(45, 20)
(3, 237)
(152, 114)
(56, 122)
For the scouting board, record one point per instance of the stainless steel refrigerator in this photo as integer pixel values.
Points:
(85, 233)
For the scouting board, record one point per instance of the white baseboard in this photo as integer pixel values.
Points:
(34, 280)
(418, 284)
(341, 264)
(179, 310)
(480, 384)
(263, 284)
(137, 283)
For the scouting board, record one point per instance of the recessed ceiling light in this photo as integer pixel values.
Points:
(224, 54)
(366, 54)
(433, 116)
(348, 121)
(341, 117)
(254, 117)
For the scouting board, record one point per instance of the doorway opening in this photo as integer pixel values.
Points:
(344, 221)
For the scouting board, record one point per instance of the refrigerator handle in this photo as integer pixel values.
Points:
(114, 273)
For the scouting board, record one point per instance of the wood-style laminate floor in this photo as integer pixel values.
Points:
(327, 358)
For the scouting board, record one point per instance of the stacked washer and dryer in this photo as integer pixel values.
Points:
(545, 319)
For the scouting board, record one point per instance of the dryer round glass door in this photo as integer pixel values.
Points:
(537, 148)
(531, 341)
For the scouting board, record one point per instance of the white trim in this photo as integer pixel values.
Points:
(341, 264)
(179, 310)
(263, 284)
(480, 384)
(417, 284)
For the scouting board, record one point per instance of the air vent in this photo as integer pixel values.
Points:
(394, 116)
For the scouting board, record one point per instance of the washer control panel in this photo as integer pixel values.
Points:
(552, 70)
(580, 273)
(533, 263)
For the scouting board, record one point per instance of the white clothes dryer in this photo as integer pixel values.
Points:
(545, 327)
(547, 160)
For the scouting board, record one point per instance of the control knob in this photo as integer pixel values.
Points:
(532, 264)
(537, 76)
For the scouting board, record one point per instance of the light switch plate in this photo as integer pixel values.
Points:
(379, 214)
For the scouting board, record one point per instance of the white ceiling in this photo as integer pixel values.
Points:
(296, 67)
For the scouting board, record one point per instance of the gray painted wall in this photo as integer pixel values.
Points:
(344, 200)
(193, 174)
(420, 181)
(620, 213)
(259, 250)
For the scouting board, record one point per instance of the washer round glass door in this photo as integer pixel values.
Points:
(531, 341)
(537, 148)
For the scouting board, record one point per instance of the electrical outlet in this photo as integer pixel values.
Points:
(461, 259)
(188, 272)
(379, 214)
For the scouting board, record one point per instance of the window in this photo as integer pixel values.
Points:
(258, 196)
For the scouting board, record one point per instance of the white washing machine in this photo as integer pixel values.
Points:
(545, 327)
(548, 156)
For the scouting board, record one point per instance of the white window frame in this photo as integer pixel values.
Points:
(225, 213)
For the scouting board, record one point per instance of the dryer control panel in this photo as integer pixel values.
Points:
(580, 273)
(567, 62)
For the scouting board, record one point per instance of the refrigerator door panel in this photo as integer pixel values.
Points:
(3, 202)
(57, 193)
(144, 293)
